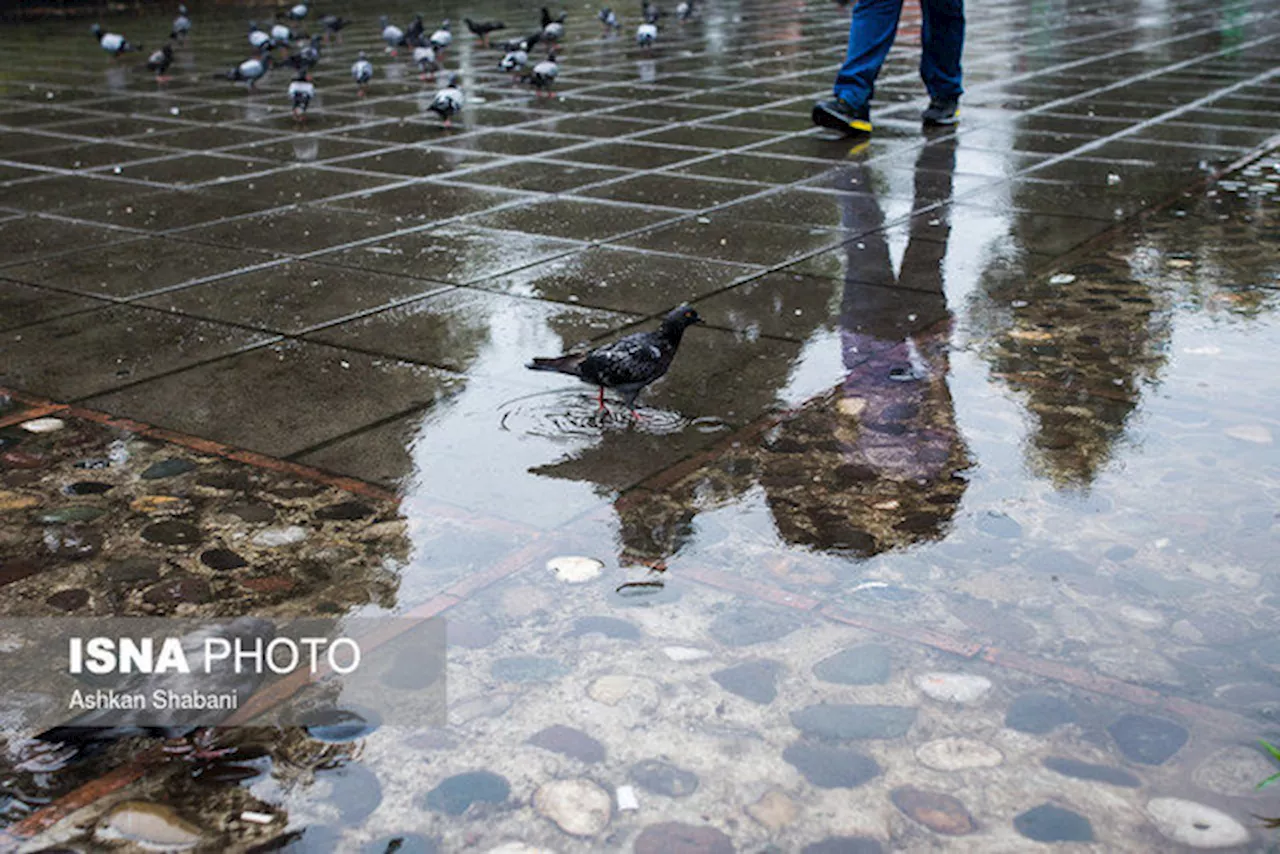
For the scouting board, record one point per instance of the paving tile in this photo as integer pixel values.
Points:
(32, 237)
(572, 219)
(164, 210)
(726, 239)
(755, 167)
(455, 254)
(93, 352)
(632, 155)
(55, 193)
(673, 191)
(90, 155)
(192, 169)
(302, 184)
(620, 280)
(129, 269)
(294, 230)
(292, 297)
(414, 162)
(21, 304)
(351, 389)
(426, 201)
(541, 176)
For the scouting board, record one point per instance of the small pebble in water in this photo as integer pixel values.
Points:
(574, 569)
(1061, 279)
(43, 425)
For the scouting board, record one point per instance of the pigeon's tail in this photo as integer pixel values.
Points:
(571, 364)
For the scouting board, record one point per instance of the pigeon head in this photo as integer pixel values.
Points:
(96, 29)
(384, 20)
(679, 319)
(452, 81)
(182, 10)
(362, 55)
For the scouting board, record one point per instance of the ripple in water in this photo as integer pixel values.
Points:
(562, 415)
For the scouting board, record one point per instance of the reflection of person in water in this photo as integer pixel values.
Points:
(887, 479)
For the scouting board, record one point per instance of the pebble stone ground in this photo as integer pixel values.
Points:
(956, 524)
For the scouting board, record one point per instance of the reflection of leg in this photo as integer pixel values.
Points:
(943, 36)
(927, 244)
(871, 263)
(871, 34)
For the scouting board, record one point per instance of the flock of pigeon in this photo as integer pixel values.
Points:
(627, 365)
(282, 45)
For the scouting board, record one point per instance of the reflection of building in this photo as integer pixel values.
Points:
(867, 469)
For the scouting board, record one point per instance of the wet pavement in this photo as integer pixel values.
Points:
(952, 530)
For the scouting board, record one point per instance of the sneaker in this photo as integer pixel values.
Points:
(941, 113)
(837, 114)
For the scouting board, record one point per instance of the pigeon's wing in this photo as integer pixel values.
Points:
(634, 360)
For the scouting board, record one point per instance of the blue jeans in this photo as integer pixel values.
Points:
(871, 32)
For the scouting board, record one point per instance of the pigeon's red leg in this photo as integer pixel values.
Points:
(602, 406)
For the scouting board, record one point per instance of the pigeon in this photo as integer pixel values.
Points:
(250, 71)
(442, 37)
(448, 101)
(608, 18)
(525, 43)
(258, 38)
(413, 32)
(628, 364)
(94, 730)
(392, 35)
(307, 58)
(543, 75)
(113, 43)
(298, 12)
(552, 28)
(333, 25)
(646, 34)
(650, 12)
(159, 62)
(684, 9)
(424, 56)
(181, 25)
(481, 29)
(514, 60)
(301, 91)
(281, 35)
(362, 72)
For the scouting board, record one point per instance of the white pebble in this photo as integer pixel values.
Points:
(953, 687)
(573, 569)
(685, 653)
(627, 799)
(256, 817)
(1061, 279)
(272, 537)
(1197, 825)
(43, 425)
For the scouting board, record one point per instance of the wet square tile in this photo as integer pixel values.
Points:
(292, 297)
(168, 209)
(35, 117)
(284, 398)
(455, 254)
(510, 142)
(32, 237)
(1053, 197)
(425, 202)
(620, 280)
(193, 169)
(118, 127)
(703, 136)
(795, 306)
(62, 192)
(294, 230)
(674, 191)
(21, 304)
(83, 354)
(456, 329)
(817, 208)
(604, 125)
(125, 270)
(754, 167)
(669, 111)
(304, 148)
(572, 219)
(15, 142)
(741, 241)
(631, 155)
(208, 137)
(547, 177)
(763, 120)
(414, 162)
(88, 155)
(295, 184)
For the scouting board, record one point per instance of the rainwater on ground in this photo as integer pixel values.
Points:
(953, 529)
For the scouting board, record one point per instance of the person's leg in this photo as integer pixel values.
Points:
(942, 33)
(871, 31)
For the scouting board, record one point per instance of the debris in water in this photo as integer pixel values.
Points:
(574, 569)
(1061, 279)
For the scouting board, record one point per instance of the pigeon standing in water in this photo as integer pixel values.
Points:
(250, 71)
(361, 72)
(281, 35)
(628, 364)
(299, 11)
(514, 60)
(684, 9)
(392, 35)
(609, 20)
(481, 29)
(424, 56)
(448, 101)
(526, 43)
(646, 34)
(301, 91)
(181, 26)
(113, 43)
(413, 32)
(543, 76)
(307, 58)
(333, 26)
(258, 38)
(443, 37)
(159, 62)
(552, 28)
